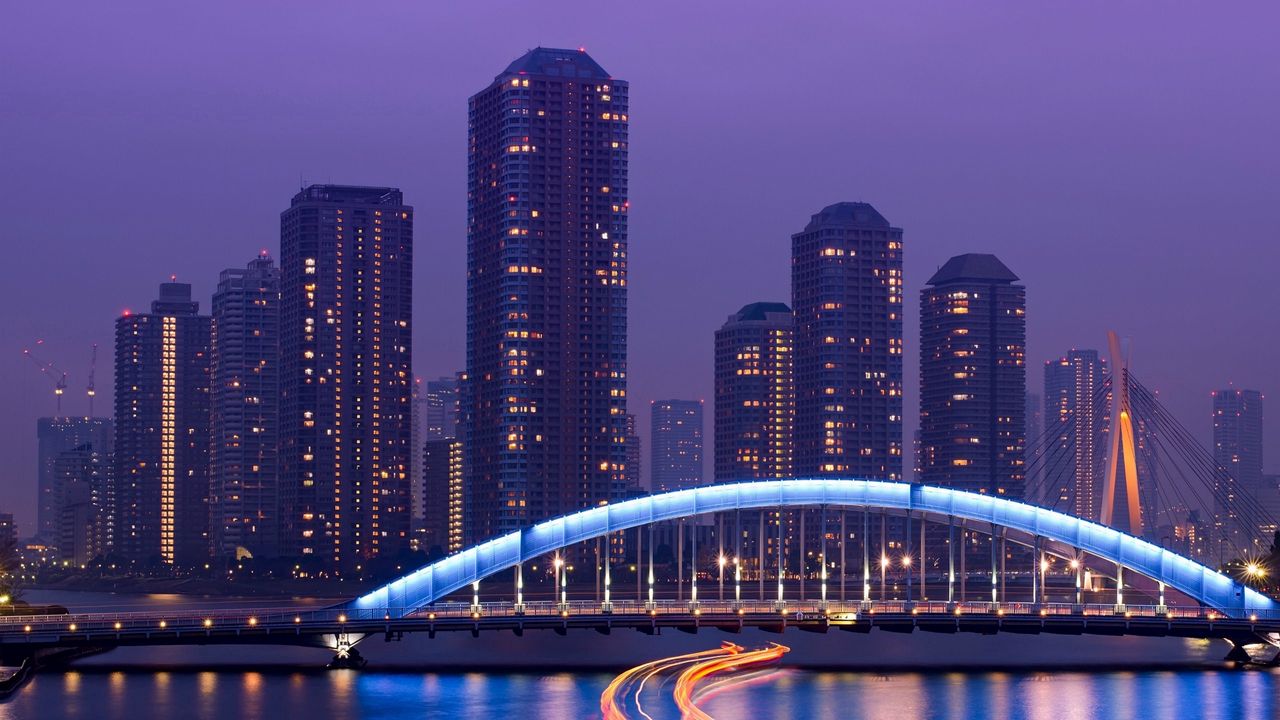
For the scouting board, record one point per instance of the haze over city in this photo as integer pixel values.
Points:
(1131, 186)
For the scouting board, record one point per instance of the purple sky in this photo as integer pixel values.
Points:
(1123, 158)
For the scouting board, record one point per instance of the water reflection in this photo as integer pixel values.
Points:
(273, 695)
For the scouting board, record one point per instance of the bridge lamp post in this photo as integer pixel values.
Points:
(737, 582)
(1044, 569)
(824, 582)
(884, 569)
(1076, 566)
(561, 580)
(519, 609)
(906, 566)
(475, 598)
(722, 560)
(607, 607)
(1119, 588)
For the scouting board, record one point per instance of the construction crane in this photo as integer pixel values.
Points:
(93, 365)
(51, 371)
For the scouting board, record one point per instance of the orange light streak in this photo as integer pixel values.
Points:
(689, 679)
(609, 706)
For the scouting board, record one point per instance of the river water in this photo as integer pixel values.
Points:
(146, 694)
(269, 685)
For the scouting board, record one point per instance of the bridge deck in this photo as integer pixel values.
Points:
(308, 627)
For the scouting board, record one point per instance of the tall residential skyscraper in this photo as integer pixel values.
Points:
(245, 411)
(436, 500)
(346, 267)
(675, 439)
(755, 393)
(162, 430)
(544, 401)
(1237, 448)
(54, 436)
(973, 377)
(846, 294)
(1076, 418)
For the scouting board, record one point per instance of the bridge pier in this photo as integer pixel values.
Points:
(346, 657)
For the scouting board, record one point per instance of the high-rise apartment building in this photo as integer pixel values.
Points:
(54, 436)
(675, 439)
(755, 393)
(1237, 449)
(634, 470)
(245, 411)
(1076, 419)
(441, 407)
(544, 401)
(436, 500)
(162, 430)
(81, 489)
(346, 268)
(973, 377)
(846, 295)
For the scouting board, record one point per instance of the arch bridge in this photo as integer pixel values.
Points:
(1048, 532)
(1218, 607)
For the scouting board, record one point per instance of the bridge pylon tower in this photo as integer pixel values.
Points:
(1121, 443)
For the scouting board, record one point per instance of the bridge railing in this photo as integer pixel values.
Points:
(331, 619)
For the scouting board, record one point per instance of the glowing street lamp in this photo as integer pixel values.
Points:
(722, 561)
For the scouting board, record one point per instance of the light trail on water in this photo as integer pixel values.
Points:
(609, 706)
(689, 690)
(687, 685)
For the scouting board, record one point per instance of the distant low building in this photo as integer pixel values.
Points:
(8, 531)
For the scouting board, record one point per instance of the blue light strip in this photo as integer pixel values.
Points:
(434, 581)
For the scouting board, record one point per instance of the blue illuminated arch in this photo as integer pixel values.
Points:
(434, 581)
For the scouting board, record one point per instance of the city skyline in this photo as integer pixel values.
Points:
(1191, 373)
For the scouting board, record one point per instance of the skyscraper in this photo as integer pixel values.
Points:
(544, 402)
(675, 439)
(245, 410)
(162, 430)
(973, 377)
(437, 495)
(1237, 448)
(755, 393)
(54, 436)
(346, 267)
(846, 294)
(1076, 418)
